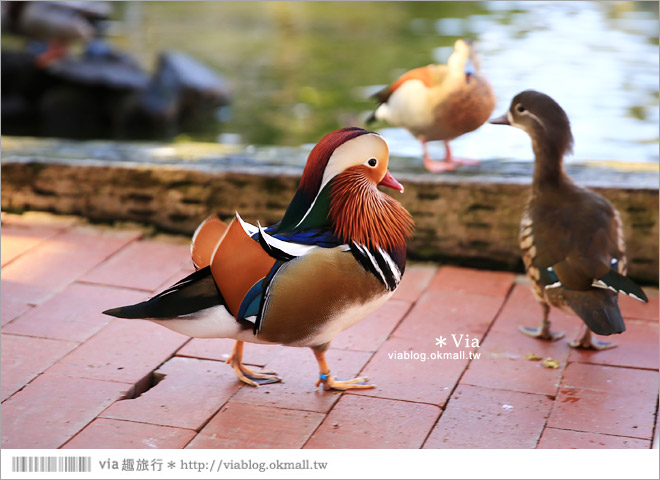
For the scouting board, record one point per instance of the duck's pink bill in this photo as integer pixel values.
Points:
(389, 181)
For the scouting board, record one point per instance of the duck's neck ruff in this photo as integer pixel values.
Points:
(362, 214)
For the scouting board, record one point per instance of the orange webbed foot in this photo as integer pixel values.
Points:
(253, 378)
(435, 166)
(466, 161)
(331, 383)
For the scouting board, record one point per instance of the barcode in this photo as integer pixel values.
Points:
(51, 464)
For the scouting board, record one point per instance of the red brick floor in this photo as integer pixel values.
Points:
(74, 378)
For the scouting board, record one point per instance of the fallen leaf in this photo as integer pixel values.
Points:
(550, 363)
(532, 357)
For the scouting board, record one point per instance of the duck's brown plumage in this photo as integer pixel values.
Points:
(573, 230)
(322, 292)
(571, 238)
(439, 102)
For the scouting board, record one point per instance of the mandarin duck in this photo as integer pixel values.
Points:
(439, 102)
(571, 238)
(337, 255)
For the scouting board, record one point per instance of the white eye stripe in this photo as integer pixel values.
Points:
(535, 118)
(509, 117)
(342, 158)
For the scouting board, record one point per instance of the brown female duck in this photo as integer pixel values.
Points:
(571, 238)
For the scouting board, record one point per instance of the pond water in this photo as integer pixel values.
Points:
(302, 69)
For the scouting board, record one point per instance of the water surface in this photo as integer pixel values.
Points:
(302, 69)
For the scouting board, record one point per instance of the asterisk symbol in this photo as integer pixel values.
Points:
(442, 341)
(171, 464)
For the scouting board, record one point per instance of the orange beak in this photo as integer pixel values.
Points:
(389, 181)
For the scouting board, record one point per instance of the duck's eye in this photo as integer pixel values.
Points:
(520, 108)
(372, 162)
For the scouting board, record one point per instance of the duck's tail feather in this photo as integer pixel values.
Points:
(620, 283)
(196, 292)
(598, 308)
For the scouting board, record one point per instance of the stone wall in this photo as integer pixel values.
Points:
(466, 218)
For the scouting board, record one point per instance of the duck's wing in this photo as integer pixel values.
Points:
(234, 268)
(233, 271)
(205, 240)
(598, 308)
(247, 259)
(194, 293)
(289, 245)
(429, 75)
(580, 245)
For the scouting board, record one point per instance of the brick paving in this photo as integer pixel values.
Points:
(73, 378)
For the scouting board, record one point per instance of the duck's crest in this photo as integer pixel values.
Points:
(310, 183)
(312, 176)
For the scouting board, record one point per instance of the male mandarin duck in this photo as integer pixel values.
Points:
(439, 102)
(337, 255)
(571, 238)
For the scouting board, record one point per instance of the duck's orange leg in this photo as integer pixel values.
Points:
(435, 166)
(331, 383)
(244, 374)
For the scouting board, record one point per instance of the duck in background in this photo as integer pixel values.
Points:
(58, 23)
(439, 102)
(571, 238)
(337, 255)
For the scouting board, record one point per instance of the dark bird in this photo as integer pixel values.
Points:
(571, 238)
(337, 255)
(439, 102)
(58, 23)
